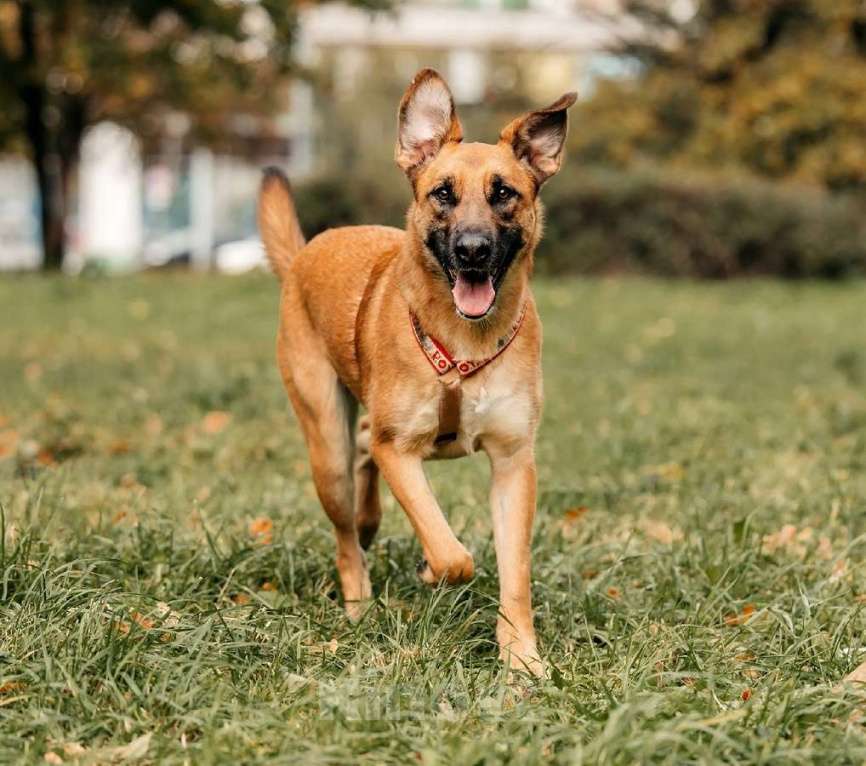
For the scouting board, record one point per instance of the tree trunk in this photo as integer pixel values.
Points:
(33, 95)
(52, 203)
(54, 126)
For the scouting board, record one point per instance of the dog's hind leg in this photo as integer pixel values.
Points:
(327, 413)
(368, 511)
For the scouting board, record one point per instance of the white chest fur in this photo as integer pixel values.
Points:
(494, 409)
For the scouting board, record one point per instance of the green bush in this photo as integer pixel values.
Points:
(651, 222)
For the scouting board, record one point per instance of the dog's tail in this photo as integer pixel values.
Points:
(278, 221)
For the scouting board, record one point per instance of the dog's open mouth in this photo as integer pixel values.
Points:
(473, 293)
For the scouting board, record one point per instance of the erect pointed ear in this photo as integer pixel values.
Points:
(537, 138)
(427, 121)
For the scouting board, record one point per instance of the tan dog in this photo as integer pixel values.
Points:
(434, 330)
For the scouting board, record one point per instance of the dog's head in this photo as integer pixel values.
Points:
(476, 210)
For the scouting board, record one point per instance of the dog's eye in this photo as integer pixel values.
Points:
(444, 194)
(504, 193)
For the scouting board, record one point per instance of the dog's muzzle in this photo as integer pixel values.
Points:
(473, 286)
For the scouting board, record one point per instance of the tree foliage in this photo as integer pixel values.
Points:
(772, 87)
(67, 64)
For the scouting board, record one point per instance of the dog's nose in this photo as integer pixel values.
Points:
(472, 249)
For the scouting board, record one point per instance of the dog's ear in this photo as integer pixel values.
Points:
(537, 138)
(427, 121)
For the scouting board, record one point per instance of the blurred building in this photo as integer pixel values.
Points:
(503, 54)
(186, 204)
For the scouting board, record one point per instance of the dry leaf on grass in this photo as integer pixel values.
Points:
(45, 457)
(241, 599)
(139, 619)
(119, 447)
(742, 617)
(791, 540)
(840, 569)
(262, 531)
(74, 749)
(857, 676)
(132, 752)
(575, 514)
(660, 532)
(824, 550)
(8, 442)
(153, 425)
(215, 421)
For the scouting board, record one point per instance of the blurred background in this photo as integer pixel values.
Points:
(713, 138)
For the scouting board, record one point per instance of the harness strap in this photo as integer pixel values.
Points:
(449, 408)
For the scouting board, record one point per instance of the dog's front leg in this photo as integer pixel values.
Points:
(445, 556)
(512, 499)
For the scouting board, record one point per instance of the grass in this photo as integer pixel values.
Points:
(167, 587)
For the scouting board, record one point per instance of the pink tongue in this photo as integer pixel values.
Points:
(473, 299)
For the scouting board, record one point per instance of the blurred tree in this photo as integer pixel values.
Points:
(774, 87)
(66, 64)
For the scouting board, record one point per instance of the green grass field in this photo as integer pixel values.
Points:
(167, 588)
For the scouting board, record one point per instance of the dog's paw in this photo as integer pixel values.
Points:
(355, 610)
(523, 661)
(458, 568)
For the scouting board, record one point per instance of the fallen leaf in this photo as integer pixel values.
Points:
(10, 686)
(825, 549)
(33, 372)
(614, 593)
(742, 617)
(746, 695)
(74, 749)
(857, 676)
(169, 618)
(262, 530)
(840, 569)
(268, 586)
(133, 751)
(142, 621)
(203, 494)
(153, 425)
(215, 421)
(241, 599)
(572, 515)
(119, 447)
(8, 442)
(45, 457)
(784, 538)
(660, 532)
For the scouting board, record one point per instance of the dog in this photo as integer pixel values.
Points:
(434, 330)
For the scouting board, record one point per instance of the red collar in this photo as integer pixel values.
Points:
(443, 362)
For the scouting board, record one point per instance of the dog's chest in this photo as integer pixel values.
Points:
(495, 408)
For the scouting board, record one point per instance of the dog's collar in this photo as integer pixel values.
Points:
(441, 361)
